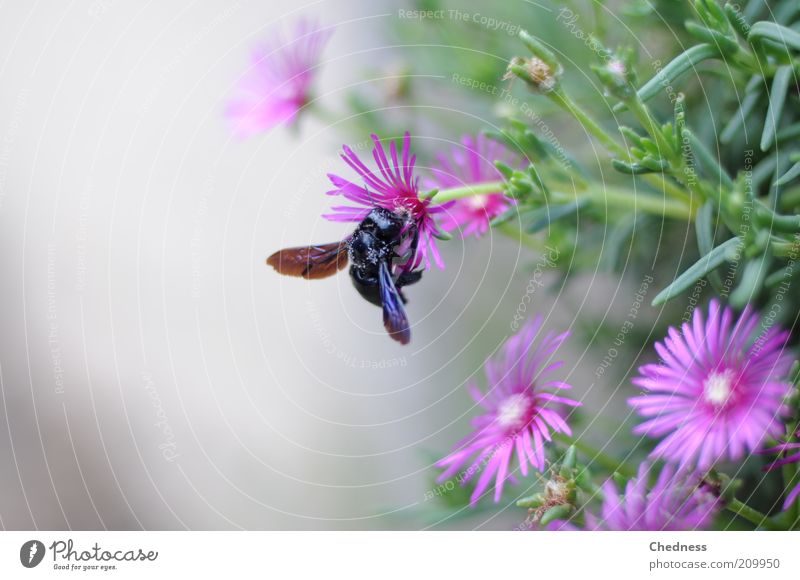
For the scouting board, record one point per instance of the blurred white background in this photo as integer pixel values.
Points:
(155, 373)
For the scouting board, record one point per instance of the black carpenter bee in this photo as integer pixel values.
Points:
(378, 241)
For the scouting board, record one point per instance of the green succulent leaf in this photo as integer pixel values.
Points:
(704, 228)
(737, 20)
(793, 173)
(504, 217)
(532, 501)
(539, 49)
(777, 97)
(708, 161)
(776, 33)
(724, 44)
(676, 68)
(737, 120)
(790, 132)
(637, 168)
(614, 245)
(542, 217)
(503, 168)
(557, 512)
(775, 221)
(710, 13)
(708, 263)
(751, 281)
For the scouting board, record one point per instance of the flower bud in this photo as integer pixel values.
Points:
(557, 501)
(617, 73)
(570, 458)
(538, 74)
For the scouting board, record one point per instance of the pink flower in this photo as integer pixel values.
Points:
(676, 502)
(519, 414)
(473, 164)
(276, 86)
(792, 455)
(718, 392)
(395, 188)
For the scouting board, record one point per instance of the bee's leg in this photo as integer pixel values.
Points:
(405, 279)
(408, 278)
(414, 245)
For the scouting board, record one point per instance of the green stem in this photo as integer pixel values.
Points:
(602, 197)
(628, 199)
(752, 515)
(789, 475)
(618, 198)
(612, 464)
(653, 128)
(468, 191)
(559, 97)
(566, 103)
(661, 183)
(599, 19)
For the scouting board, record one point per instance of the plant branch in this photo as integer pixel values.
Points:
(612, 464)
(468, 191)
(752, 515)
(559, 97)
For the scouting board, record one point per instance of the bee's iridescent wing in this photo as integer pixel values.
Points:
(394, 313)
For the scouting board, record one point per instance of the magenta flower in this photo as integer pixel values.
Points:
(791, 449)
(717, 391)
(394, 188)
(473, 164)
(519, 413)
(276, 86)
(675, 503)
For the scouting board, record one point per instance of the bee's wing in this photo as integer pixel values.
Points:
(394, 314)
(310, 262)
